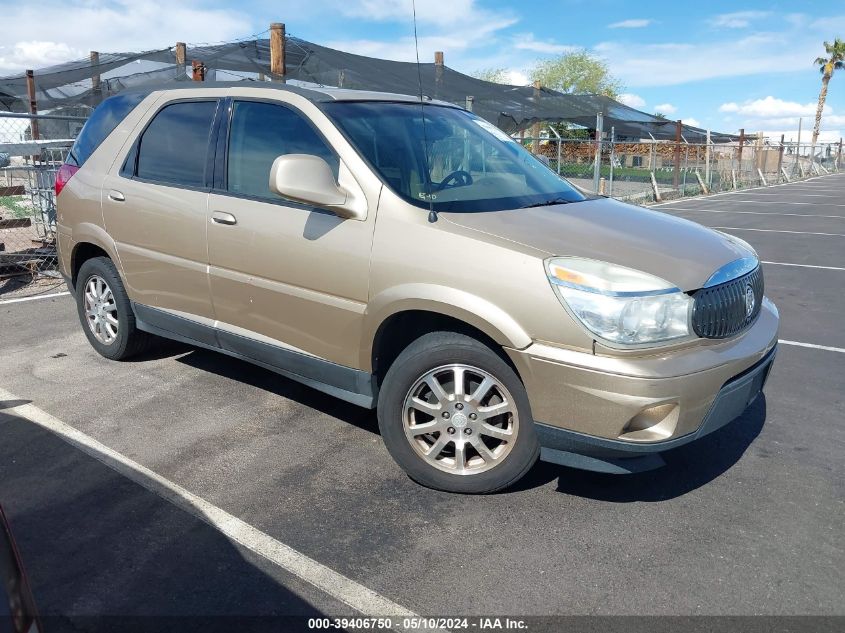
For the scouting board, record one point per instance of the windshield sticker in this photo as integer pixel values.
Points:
(486, 125)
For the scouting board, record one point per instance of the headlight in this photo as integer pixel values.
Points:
(618, 304)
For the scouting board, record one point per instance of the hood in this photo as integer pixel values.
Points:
(677, 250)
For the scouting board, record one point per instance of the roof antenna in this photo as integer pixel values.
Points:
(432, 214)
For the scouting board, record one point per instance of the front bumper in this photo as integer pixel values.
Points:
(599, 412)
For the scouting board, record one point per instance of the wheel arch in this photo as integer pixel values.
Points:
(395, 320)
(89, 241)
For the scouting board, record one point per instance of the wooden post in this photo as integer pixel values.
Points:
(181, 56)
(438, 72)
(95, 79)
(535, 129)
(676, 176)
(655, 188)
(701, 183)
(839, 155)
(739, 152)
(33, 104)
(277, 51)
(197, 70)
(780, 156)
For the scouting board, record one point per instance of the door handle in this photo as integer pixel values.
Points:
(218, 217)
(117, 196)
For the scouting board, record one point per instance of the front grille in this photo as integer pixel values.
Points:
(722, 311)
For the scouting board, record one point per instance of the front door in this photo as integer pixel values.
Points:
(281, 272)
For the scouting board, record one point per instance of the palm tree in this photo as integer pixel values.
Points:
(834, 61)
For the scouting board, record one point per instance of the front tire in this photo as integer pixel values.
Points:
(106, 313)
(455, 416)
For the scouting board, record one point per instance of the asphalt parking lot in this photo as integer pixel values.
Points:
(747, 521)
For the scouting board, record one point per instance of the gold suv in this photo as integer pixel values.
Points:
(408, 256)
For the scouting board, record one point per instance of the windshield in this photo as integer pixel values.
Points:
(455, 162)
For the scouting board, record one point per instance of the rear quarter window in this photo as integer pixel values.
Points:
(101, 123)
(174, 148)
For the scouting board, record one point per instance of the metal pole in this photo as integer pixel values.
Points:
(33, 104)
(470, 101)
(555, 132)
(798, 148)
(535, 129)
(780, 156)
(677, 156)
(597, 166)
(95, 79)
(839, 155)
(707, 160)
(612, 157)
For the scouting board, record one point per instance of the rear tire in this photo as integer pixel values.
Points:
(456, 417)
(106, 313)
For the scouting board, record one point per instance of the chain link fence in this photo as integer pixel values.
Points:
(32, 147)
(650, 171)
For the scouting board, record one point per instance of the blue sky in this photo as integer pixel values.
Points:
(719, 64)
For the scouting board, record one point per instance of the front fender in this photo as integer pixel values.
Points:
(458, 304)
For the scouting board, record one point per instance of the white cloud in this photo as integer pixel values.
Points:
(771, 107)
(737, 19)
(459, 26)
(675, 63)
(790, 134)
(630, 99)
(637, 23)
(518, 78)
(693, 122)
(443, 13)
(665, 108)
(68, 29)
(527, 42)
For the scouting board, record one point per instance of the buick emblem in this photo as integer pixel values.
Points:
(749, 300)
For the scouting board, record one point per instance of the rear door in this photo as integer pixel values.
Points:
(155, 206)
(280, 271)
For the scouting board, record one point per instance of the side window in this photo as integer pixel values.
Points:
(261, 132)
(101, 123)
(174, 147)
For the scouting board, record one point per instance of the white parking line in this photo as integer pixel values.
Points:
(35, 297)
(797, 215)
(803, 265)
(364, 600)
(814, 204)
(812, 346)
(739, 228)
(805, 195)
(748, 190)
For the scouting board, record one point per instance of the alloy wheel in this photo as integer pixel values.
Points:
(460, 419)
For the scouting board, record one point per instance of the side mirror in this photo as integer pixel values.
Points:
(309, 179)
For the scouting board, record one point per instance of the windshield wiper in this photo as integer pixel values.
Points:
(547, 203)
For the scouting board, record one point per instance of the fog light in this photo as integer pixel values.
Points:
(652, 424)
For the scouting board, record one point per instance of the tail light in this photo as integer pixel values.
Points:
(65, 173)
